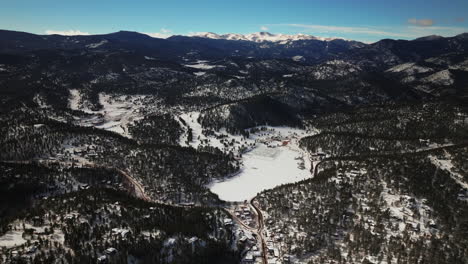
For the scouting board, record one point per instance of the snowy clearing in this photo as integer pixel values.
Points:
(271, 157)
(12, 238)
(117, 112)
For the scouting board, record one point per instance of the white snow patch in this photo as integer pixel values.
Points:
(263, 37)
(409, 68)
(200, 73)
(96, 45)
(41, 101)
(75, 102)
(442, 78)
(202, 65)
(12, 238)
(298, 58)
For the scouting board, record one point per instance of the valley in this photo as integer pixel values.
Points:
(230, 148)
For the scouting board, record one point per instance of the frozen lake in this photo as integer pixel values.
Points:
(264, 168)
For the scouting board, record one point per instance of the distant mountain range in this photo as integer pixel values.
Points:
(306, 73)
(262, 37)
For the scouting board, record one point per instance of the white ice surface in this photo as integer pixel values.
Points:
(264, 168)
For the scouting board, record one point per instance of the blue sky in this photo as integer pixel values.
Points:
(364, 20)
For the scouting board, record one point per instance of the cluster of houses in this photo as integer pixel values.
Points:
(319, 155)
(88, 151)
(244, 213)
(274, 236)
(277, 141)
(253, 255)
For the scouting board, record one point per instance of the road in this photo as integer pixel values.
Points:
(138, 189)
(260, 229)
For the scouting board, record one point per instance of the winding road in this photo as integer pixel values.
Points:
(261, 225)
(138, 189)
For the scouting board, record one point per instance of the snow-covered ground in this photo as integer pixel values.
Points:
(14, 238)
(263, 37)
(202, 65)
(117, 111)
(273, 157)
(264, 168)
(96, 45)
(409, 68)
(191, 119)
(447, 165)
(402, 207)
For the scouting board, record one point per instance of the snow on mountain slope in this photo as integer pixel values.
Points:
(202, 65)
(262, 37)
(96, 45)
(409, 68)
(334, 69)
(441, 78)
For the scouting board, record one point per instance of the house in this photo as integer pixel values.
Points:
(102, 259)
(120, 231)
(110, 251)
(193, 242)
(243, 239)
(193, 239)
(270, 248)
(228, 222)
(271, 261)
(257, 254)
(248, 258)
(31, 250)
(37, 221)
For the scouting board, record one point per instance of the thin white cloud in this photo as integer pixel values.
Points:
(421, 22)
(163, 33)
(264, 28)
(381, 32)
(353, 30)
(70, 32)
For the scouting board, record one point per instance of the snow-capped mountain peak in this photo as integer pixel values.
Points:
(261, 37)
